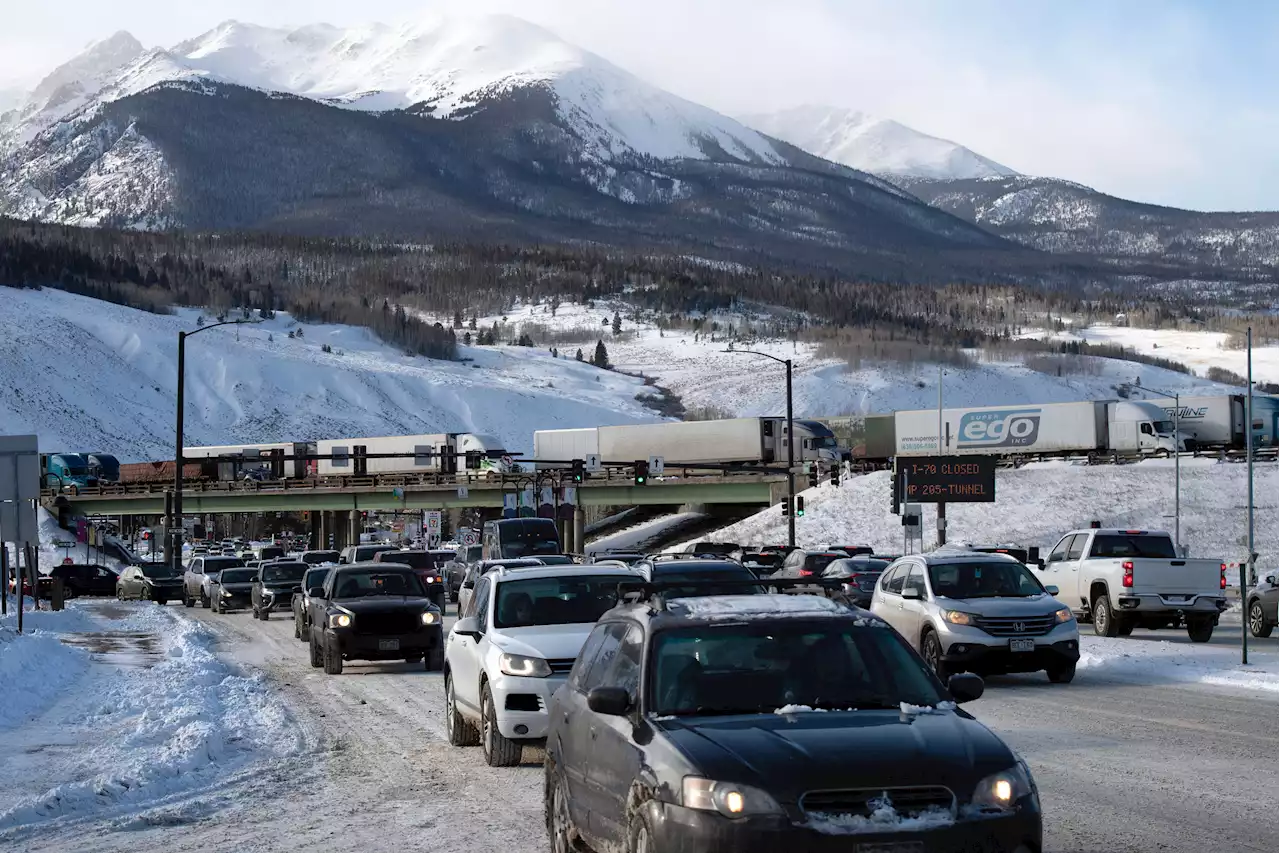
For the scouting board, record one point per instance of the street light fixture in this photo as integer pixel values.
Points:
(175, 534)
(1177, 467)
(791, 457)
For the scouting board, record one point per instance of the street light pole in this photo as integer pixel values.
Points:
(175, 530)
(1177, 466)
(791, 454)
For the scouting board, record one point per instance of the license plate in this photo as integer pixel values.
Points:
(1022, 645)
(388, 645)
(890, 847)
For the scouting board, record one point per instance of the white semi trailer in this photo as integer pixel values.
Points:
(1042, 428)
(429, 453)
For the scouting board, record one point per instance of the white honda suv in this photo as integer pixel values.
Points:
(513, 647)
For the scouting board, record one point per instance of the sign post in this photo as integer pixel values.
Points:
(19, 489)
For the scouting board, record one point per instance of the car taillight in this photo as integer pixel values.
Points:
(1127, 580)
(1222, 576)
(804, 573)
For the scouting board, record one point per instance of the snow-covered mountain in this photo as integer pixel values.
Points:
(877, 145)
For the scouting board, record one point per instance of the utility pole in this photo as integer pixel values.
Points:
(791, 463)
(1248, 449)
(942, 507)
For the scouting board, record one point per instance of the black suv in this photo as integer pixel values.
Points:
(85, 579)
(372, 611)
(694, 724)
(274, 586)
(301, 603)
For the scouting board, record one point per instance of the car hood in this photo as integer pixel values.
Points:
(238, 588)
(554, 642)
(1039, 605)
(160, 581)
(382, 603)
(788, 754)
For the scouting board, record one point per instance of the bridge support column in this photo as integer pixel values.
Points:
(340, 519)
(579, 529)
(354, 526)
(314, 532)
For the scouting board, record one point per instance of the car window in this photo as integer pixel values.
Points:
(1059, 551)
(283, 572)
(914, 579)
(1076, 548)
(817, 562)
(159, 571)
(972, 579)
(587, 656)
(625, 672)
(240, 575)
(565, 600)
(366, 583)
(480, 603)
(197, 566)
(893, 583)
(602, 664)
(1133, 545)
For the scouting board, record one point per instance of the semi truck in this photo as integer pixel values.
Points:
(60, 470)
(104, 466)
(1120, 426)
(728, 441)
(432, 453)
(236, 459)
(1219, 421)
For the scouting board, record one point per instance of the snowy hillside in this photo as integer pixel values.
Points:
(877, 145)
(1037, 503)
(88, 375)
(697, 368)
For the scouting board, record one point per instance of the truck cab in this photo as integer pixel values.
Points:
(1135, 425)
(104, 466)
(59, 470)
(509, 538)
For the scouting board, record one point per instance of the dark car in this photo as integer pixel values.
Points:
(859, 575)
(712, 549)
(156, 582)
(82, 579)
(372, 611)
(428, 564)
(852, 550)
(233, 589)
(301, 603)
(316, 558)
(455, 571)
(1262, 607)
(270, 552)
(362, 553)
(513, 538)
(274, 586)
(761, 562)
(701, 575)
(693, 724)
(806, 564)
(629, 558)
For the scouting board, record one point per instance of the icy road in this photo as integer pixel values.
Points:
(1157, 745)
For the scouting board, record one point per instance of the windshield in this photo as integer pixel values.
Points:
(556, 560)
(237, 576)
(217, 564)
(702, 580)
(1155, 547)
(366, 552)
(818, 562)
(555, 601)
(379, 582)
(715, 549)
(528, 540)
(414, 559)
(159, 571)
(759, 668)
(313, 577)
(283, 572)
(314, 557)
(845, 568)
(828, 441)
(982, 580)
(271, 551)
(1019, 554)
(1164, 427)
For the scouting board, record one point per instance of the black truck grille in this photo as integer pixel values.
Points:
(387, 623)
(864, 801)
(560, 666)
(1016, 626)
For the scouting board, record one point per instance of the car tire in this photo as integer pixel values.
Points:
(188, 601)
(1061, 674)
(332, 660)
(297, 628)
(1124, 627)
(931, 651)
(162, 601)
(1104, 620)
(434, 660)
(317, 659)
(640, 834)
(204, 600)
(264, 615)
(459, 730)
(1200, 630)
(561, 832)
(1258, 624)
(499, 751)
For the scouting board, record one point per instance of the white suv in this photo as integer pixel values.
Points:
(513, 647)
(974, 612)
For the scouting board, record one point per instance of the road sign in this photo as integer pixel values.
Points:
(433, 522)
(655, 465)
(19, 486)
(471, 538)
(463, 492)
(592, 462)
(947, 479)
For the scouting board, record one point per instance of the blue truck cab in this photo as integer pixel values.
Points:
(104, 466)
(59, 470)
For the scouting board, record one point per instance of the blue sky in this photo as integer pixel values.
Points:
(1171, 102)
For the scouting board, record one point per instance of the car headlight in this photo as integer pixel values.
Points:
(524, 666)
(1065, 615)
(728, 798)
(430, 580)
(1000, 791)
(339, 620)
(429, 617)
(226, 594)
(958, 617)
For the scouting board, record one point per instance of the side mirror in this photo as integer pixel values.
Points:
(468, 584)
(315, 591)
(1051, 589)
(467, 626)
(912, 593)
(1033, 556)
(613, 701)
(965, 687)
(1271, 579)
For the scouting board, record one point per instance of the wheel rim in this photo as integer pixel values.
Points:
(642, 840)
(448, 706)
(486, 723)
(1255, 618)
(1100, 617)
(559, 820)
(932, 653)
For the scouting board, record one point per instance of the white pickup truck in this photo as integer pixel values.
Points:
(1122, 579)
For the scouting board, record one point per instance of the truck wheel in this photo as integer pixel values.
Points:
(204, 599)
(460, 730)
(1062, 673)
(1200, 630)
(1124, 627)
(498, 750)
(317, 660)
(332, 660)
(1104, 621)
(1258, 624)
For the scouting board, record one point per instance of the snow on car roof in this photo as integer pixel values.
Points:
(756, 607)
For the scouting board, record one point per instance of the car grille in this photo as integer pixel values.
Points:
(863, 801)
(387, 623)
(1016, 626)
(560, 666)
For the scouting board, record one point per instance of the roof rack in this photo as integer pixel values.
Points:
(633, 592)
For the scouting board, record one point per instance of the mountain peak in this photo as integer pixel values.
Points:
(872, 144)
(85, 70)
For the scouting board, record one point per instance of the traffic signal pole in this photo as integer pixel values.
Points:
(791, 463)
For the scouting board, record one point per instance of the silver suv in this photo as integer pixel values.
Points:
(983, 613)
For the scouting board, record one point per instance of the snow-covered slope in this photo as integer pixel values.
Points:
(877, 145)
(444, 66)
(89, 375)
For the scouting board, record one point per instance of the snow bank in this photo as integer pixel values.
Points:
(35, 669)
(640, 536)
(1138, 658)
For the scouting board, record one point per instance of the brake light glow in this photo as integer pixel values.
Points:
(1135, 532)
(1222, 576)
(804, 573)
(1127, 580)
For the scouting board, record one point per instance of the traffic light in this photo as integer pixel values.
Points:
(579, 471)
(642, 471)
(893, 493)
(813, 475)
(786, 507)
(835, 475)
(799, 506)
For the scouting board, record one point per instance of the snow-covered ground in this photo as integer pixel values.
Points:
(640, 537)
(702, 373)
(88, 375)
(1142, 658)
(1036, 504)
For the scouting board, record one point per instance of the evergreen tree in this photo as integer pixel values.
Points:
(457, 319)
(466, 338)
(601, 358)
(472, 325)
(579, 356)
(617, 323)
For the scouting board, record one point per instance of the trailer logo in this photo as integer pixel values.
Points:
(1007, 428)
